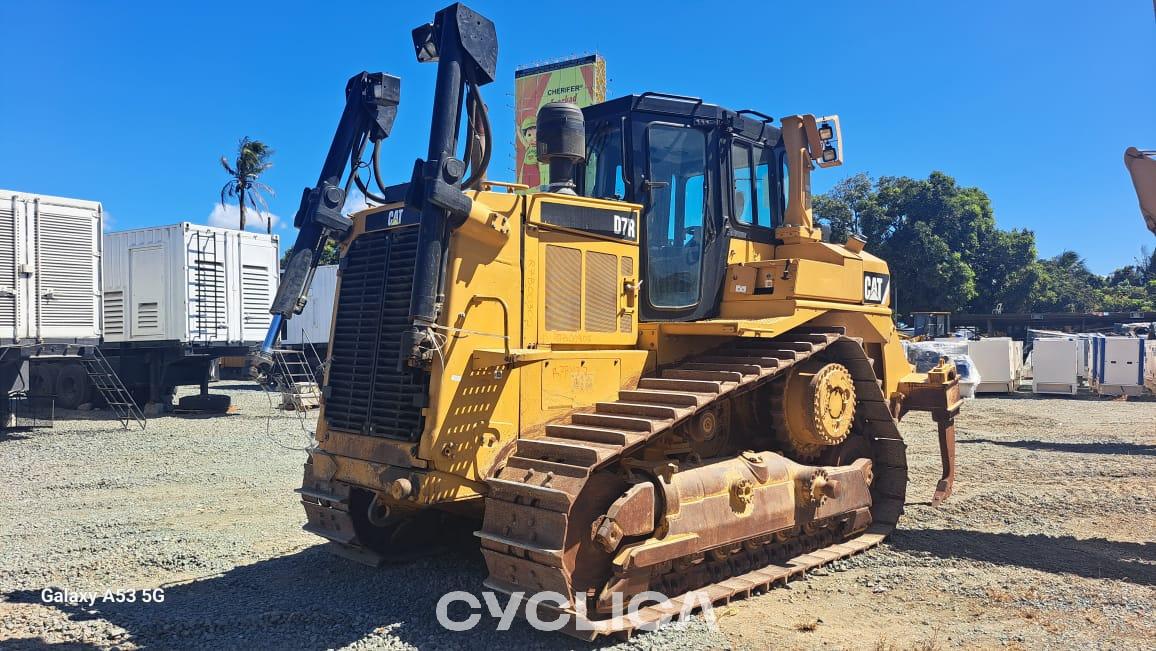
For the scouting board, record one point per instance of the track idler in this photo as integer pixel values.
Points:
(722, 507)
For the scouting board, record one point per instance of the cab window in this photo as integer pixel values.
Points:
(754, 188)
(602, 175)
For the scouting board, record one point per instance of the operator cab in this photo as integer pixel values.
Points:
(703, 175)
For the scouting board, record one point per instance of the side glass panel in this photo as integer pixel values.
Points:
(675, 210)
(764, 187)
(602, 176)
(743, 199)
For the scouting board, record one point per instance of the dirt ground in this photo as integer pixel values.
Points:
(1047, 542)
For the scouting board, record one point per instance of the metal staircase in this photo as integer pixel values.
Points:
(208, 288)
(299, 390)
(104, 379)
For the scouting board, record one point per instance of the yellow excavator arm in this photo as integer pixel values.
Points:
(1142, 166)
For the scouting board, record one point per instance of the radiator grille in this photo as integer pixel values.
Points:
(114, 313)
(601, 291)
(366, 392)
(563, 288)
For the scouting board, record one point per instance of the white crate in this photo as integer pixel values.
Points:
(995, 359)
(189, 283)
(1055, 365)
(1118, 365)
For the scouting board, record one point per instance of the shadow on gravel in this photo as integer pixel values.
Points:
(242, 386)
(30, 643)
(1094, 558)
(13, 435)
(1079, 448)
(314, 600)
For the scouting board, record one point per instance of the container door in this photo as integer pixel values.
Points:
(258, 284)
(68, 264)
(147, 273)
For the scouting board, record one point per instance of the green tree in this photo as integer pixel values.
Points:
(251, 162)
(331, 254)
(1066, 285)
(940, 239)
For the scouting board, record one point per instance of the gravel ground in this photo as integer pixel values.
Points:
(1047, 542)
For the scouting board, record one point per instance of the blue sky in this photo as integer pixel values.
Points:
(133, 103)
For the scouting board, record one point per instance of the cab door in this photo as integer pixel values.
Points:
(674, 182)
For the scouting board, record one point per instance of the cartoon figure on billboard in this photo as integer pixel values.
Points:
(528, 171)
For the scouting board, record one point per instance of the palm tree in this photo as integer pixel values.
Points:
(252, 160)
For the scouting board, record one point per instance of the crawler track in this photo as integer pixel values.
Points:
(549, 488)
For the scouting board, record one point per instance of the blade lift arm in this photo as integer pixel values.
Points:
(371, 101)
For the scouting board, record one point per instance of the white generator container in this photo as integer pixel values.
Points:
(188, 283)
(995, 359)
(312, 326)
(50, 271)
(1118, 366)
(1055, 365)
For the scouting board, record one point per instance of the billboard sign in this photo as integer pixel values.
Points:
(581, 81)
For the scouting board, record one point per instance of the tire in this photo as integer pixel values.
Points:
(40, 380)
(72, 387)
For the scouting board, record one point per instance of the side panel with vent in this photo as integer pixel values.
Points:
(258, 276)
(583, 290)
(69, 269)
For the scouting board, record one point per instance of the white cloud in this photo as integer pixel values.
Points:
(355, 201)
(229, 216)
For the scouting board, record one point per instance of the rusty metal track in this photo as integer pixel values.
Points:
(526, 534)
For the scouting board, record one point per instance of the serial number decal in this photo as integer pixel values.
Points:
(875, 287)
(600, 221)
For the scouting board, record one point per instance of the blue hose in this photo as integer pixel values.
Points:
(271, 335)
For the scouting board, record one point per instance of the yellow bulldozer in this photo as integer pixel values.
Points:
(651, 374)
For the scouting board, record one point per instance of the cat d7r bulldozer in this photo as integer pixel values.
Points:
(651, 374)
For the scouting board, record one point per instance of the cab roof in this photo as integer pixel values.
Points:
(749, 123)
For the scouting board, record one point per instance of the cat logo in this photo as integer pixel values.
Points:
(393, 218)
(875, 287)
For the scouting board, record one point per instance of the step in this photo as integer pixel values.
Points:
(745, 369)
(691, 374)
(764, 362)
(671, 384)
(646, 410)
(773, 353)
(540, 496)
(814, 338)
(614, 421)
(593, 434)
(566, 450)
(801, 346)
(677, 398)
